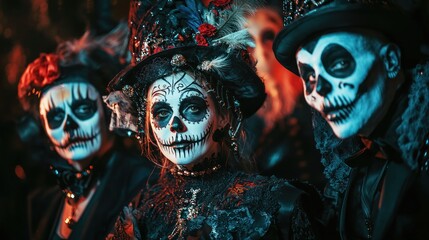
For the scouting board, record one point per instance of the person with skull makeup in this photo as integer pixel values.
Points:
(364, 73)
(96, 177)
(189, 99)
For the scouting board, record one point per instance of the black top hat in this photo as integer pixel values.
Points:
(306, 19)
(168, 36)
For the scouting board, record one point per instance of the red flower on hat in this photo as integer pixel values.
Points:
(45, 69)
(40, 73)
(221, 3)
(207, 30)
(201, 41)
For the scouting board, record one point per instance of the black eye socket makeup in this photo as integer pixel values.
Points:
(194, 109)
(55, 117)
(308, 75)
(337, 61)
(84, 109)
(161, 112)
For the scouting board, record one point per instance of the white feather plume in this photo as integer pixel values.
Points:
(77, 51)
(235, 19)
(215, 64)
(210, 17)
(239, 39)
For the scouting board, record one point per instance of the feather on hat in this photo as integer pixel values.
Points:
(212, 40)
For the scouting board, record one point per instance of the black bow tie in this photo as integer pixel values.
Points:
(74, 183)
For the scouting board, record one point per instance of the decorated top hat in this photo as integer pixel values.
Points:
(306, 19)
(171, 36)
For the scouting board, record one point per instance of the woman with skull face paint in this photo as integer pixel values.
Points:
(96, 177)
(359, 64)
(190, 98)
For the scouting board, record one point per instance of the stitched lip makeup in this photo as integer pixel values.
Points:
(340, 110)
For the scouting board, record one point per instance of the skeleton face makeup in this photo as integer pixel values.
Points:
(183, 119)
(73, 120)
(345, 80)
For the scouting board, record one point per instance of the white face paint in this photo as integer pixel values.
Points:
(72, 115)
(183, 119)
(344, 80)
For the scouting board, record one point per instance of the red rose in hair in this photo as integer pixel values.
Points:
(43, 71)
(207, 30)
(201, 41)
(221, 3)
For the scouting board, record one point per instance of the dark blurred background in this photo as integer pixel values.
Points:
(27, 28)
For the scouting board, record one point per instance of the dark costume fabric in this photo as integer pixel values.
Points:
(222, 205)
(119, 181)
(387, 195)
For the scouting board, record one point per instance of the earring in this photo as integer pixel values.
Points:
(233, 143)
(393, 73)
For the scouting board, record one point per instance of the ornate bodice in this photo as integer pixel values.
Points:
(223, 205)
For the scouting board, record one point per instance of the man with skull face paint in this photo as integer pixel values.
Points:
(189, 99)
(72, 116)
(96, 177)
(359, 64)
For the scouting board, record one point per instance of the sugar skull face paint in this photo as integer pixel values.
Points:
(73, 119)
(183, 119)
(345, 80)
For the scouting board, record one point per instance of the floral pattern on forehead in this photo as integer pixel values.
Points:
(210, 45)
(183, 118)
(182, 83)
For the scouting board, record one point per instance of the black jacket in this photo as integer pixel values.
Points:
(120, 181)
(390, 178)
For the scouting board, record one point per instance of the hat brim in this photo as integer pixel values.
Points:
(249, 91)
(395, 25)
